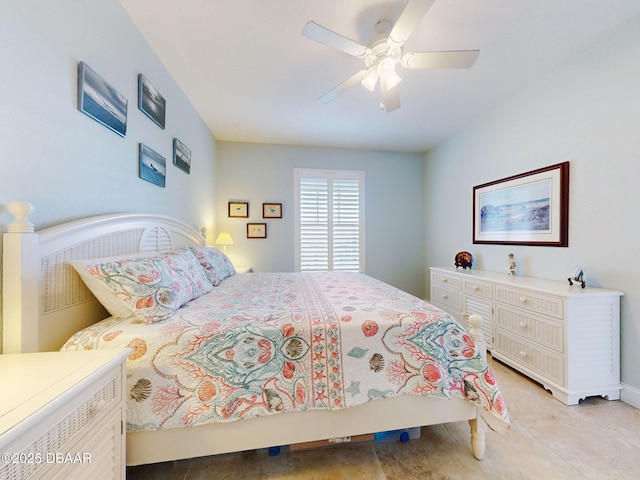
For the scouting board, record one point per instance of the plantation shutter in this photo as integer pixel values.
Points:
(346, 225)
(330, 223)
(314, 224)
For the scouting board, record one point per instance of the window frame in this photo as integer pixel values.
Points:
(330, 175)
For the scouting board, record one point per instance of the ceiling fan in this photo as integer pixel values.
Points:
(384, 53)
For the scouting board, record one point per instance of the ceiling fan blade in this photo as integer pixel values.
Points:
(323, 35)
(390, 98)
(413, 12)
(343, 87)
(452, 59)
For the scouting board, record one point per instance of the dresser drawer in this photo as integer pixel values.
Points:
(547, 364)
(445, 280)
(539, 330)
(449, 299)
(477, 287)
(530, 300)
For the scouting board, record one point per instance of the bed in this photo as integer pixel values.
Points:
(259, 360)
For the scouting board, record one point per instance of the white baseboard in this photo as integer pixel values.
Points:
(630, 395)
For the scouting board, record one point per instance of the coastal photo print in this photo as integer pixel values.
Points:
(150, 102)
(181, 156)
(531, 208)
(153, 166)
(100, 101)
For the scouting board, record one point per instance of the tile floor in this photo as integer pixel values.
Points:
(597, 439)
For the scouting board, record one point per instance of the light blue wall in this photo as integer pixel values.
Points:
(61, 160)
(394, 206)
(587, 111)
(64, 162)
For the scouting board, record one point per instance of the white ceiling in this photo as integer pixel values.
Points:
(253, 76)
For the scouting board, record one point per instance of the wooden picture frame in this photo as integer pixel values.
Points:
(271, 210)
(531, 208)
(256, 230)
(100, 101)
(238, 210)
(150, 102)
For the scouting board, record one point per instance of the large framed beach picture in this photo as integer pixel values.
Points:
(531, 208)
(100, 101)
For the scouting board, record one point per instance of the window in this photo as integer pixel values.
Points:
(329, 220)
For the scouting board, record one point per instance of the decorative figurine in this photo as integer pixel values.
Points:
(464, 260)
(511, 269)
(579, 275)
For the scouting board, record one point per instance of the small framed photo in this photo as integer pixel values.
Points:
(100, 101)
(181, 156)
(271, 210)
(150, 102)
(256, 230)
(239, 209)
(153, 166)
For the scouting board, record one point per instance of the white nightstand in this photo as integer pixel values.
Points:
(62, 414)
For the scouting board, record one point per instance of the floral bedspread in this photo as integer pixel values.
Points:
(262, 343)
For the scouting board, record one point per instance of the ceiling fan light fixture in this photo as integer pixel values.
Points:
(385, 51)
(370, 80)
(386, 68)
(392, 80)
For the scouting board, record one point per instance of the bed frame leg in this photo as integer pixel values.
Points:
(475, 329)
(478, 437)
(478, 425)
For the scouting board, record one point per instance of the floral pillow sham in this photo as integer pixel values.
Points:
(216, 264)
(151, 288)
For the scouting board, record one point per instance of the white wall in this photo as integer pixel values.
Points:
(586, 111)
(65, 163)
(394, 206)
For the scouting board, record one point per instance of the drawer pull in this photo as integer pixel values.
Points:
(97, 407)
(523, 325)
(476, 288)
(445, 296)
(523, 300)
(444, 280)
(523, 354)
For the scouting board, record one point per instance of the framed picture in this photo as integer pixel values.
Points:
(271, 210)
(239, 209)
(181, 156)
(100, 101)
(153, 166)
(256, 230)
(527, 209)
(150, 102)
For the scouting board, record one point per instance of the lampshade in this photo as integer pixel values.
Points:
(387, 70)
(369, 82)
(224, 239)
(392, 80)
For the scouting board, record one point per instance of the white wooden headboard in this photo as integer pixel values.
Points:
(44, 299)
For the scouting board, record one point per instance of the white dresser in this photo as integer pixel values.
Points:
(62, 415)
(565, 337)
